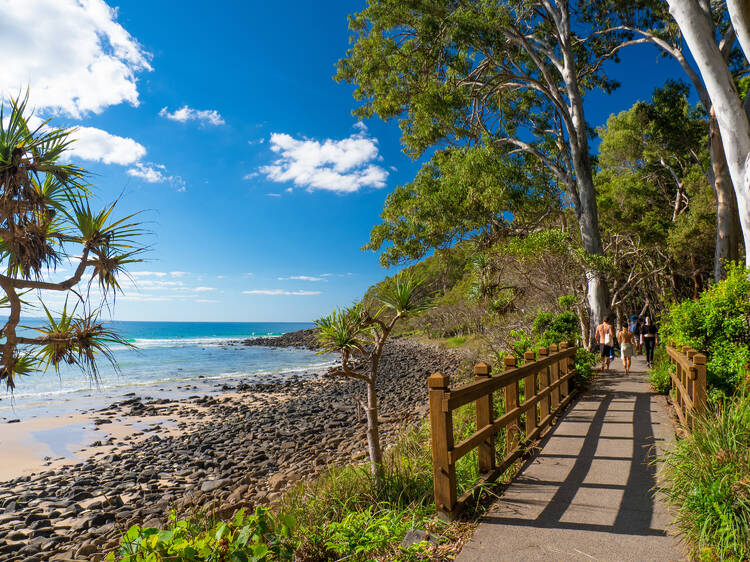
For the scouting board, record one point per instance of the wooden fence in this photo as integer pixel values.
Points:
(688, 381)
(547, 390)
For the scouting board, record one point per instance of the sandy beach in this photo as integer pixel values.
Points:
(75, 481)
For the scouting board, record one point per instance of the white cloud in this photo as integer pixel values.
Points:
(206, 300)
(74, 57)
(250, 176)
(273, 194)
(277, 292)
(178, 273)
(100, 146)
(300, 278)
(148, 273)
(203, 289)
(155, 173)
(185, 113)
(343, 166)
(152, 173)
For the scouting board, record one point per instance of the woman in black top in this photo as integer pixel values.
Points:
(649, 339)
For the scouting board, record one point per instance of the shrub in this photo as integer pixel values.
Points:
(261, 536)
(660, 374)
(585, 360)
(716, 323)
(707, 480)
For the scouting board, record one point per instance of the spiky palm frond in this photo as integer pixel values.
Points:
(94, 230)
(23, 366)
(76, 341)
(37, 150)
(343, 330)
(405, 295)
(108, 265)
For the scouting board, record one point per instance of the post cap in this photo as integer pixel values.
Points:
(553, 348)
(699, 359)
(563, 345)
(509, 361)
(482, 368)
(685, 348)
(542, 351)
(529, 355)
(438, 380)
(691, 353)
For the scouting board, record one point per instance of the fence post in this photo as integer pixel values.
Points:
(543, 384)
(529, 386)
(485, 416)
(443, 472)
(511, 403)
(554, 370)
(699, 388)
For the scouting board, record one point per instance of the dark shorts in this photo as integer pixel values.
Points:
(606, 350)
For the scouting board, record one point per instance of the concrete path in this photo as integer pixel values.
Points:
(588, 494)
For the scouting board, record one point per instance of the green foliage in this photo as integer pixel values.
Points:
(585, 360)
(459, 193)
(556, 328)
(46, 217)
(656, 206)
(361, 532)
(707, 480)
(660, 375)
(342, 330)
(717, 324)
(246, 538)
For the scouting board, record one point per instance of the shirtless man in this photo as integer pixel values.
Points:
(605, 337)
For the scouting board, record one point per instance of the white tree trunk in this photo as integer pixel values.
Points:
(587, 215)
(698, 31)
(727, 220)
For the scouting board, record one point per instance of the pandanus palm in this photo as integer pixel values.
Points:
(45, 218)
(361, 331)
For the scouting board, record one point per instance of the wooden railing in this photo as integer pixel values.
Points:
(688, 381)
(547, 390)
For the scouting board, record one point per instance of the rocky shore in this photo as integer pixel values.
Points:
(300, 338)
(238, 449)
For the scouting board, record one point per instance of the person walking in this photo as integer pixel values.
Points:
(626, 339)
(605, 337)
(635, 328)
(649, 339)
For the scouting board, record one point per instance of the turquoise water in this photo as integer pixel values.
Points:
(172, 359)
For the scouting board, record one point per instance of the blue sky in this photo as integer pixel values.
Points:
(224, 125)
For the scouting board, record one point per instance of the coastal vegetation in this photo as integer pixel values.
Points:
(514, 234)
(359, 332)
(46, 218)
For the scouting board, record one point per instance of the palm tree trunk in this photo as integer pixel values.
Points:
(373, 435)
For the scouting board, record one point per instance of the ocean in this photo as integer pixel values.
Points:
(171, 359)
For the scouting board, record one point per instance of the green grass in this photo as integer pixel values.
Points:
(456, 341)
(706, 478)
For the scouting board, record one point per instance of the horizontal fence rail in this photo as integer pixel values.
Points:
(688, 382)
(547, 377)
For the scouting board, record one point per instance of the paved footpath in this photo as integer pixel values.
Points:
(588, 495)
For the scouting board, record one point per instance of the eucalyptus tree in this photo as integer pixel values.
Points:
(696, 20)
(654, 198)
(46, 218)
(463, 193)
(359, 333)
(650, 22)
(499, 73)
